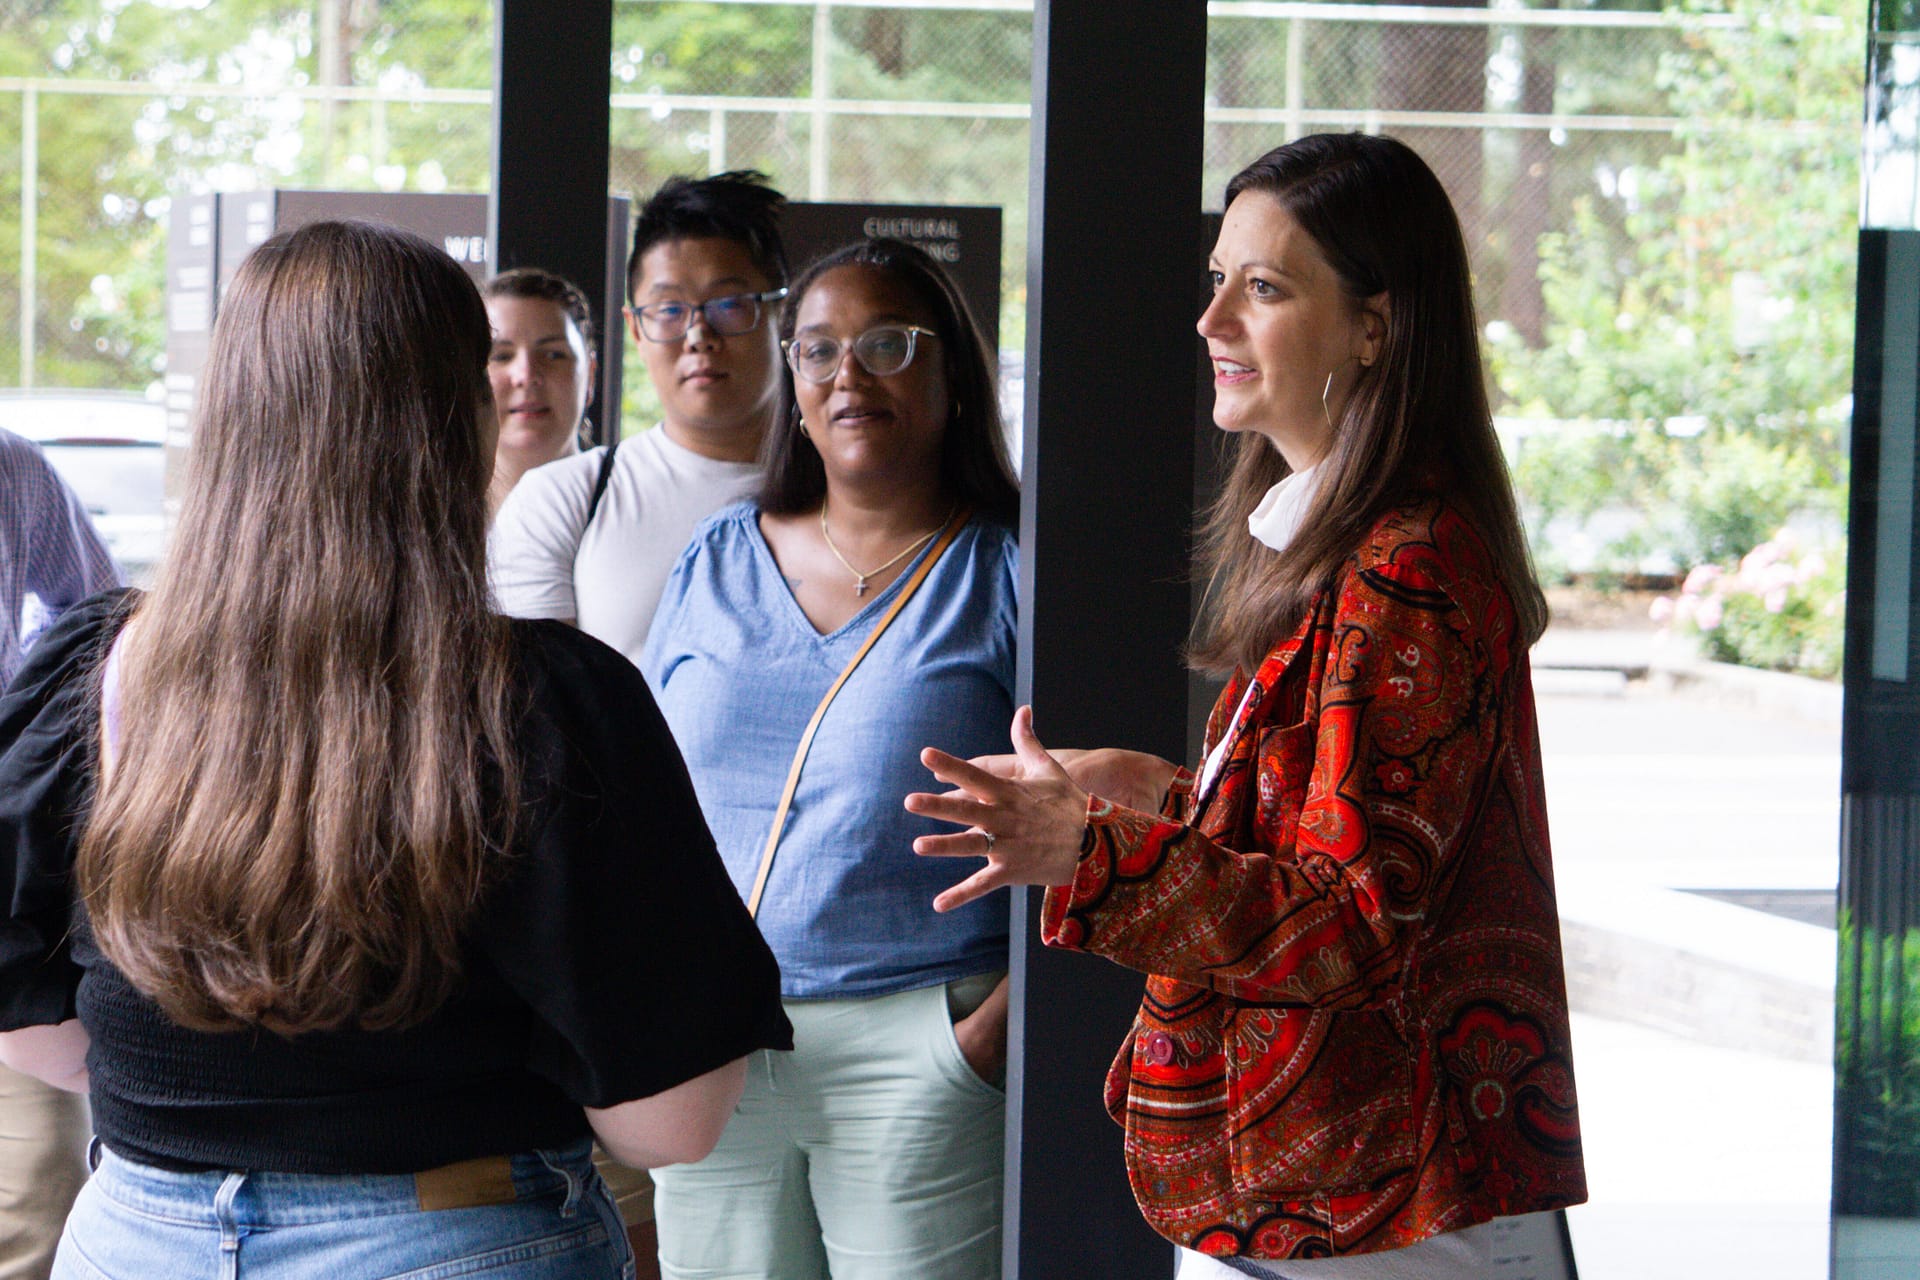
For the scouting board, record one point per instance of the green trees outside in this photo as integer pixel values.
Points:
(1877, 1065)
(1642, 258)
(107, 161)
(1669, 309)
(414, 116)
(976, 63)
(1699, 309)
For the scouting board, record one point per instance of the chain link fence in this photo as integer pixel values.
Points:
(1558, 133)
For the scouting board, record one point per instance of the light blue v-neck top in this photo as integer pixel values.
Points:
(738, 670)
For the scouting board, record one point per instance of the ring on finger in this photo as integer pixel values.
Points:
(987, 836)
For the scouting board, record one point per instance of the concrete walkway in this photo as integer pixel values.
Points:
(1703, 1029)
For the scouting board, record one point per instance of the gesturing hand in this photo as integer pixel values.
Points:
(1025, 817)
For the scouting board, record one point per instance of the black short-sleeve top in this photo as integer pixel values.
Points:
(610, 960)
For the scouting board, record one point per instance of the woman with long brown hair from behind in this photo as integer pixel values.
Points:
(347, 857)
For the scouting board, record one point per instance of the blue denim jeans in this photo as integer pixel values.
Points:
(553, 1220)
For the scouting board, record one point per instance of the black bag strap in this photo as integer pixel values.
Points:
(600, 485)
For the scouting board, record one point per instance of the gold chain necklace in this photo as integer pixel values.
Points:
(860, 586)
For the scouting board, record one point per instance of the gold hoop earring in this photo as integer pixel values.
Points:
(1326, 391)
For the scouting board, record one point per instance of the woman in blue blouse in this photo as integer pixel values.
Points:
(874, 1149)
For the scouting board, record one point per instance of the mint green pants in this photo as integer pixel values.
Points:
(871, 1152)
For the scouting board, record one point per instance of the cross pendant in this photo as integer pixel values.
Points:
(860, 587)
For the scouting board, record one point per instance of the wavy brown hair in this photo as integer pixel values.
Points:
(314, 777)
(1417, 422)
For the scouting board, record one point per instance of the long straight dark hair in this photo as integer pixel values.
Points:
(973, 450)
(315, 774)
(1417, 422)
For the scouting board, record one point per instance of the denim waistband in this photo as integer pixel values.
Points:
(263, 1199)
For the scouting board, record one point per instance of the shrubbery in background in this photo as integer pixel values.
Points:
(1704, 498)
(1714, 288)
(1877, 1072)
(1693, 387)
(1671, 309)
(1781, 607)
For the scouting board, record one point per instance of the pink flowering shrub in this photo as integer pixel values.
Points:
(1781, 608)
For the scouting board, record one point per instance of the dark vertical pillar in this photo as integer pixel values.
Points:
(1117, 115)
(1213, 454)
(1876, 1184)
(550, 146)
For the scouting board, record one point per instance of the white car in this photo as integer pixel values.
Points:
(109, 446)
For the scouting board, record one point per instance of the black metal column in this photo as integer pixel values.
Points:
(1876, 1182)
(551, 119)
(1117, 117)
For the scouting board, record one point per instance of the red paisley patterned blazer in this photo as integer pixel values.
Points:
(1355, 1032)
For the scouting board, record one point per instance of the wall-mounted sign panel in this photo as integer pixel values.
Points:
(965, 239)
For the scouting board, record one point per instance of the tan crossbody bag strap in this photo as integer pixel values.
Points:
(947, 536)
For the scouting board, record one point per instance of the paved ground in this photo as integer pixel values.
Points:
(1677, 792)
(1704, 1161)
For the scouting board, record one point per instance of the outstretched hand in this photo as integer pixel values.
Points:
(1023, 813)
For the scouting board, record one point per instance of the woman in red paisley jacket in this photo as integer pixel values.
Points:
(1353, 1056)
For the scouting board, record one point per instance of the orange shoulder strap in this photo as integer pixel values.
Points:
(947, 535)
